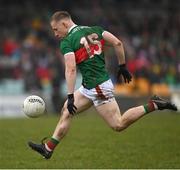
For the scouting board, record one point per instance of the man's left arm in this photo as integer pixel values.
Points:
(70, 75)
(70, 71)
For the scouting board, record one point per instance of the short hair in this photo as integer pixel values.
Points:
(59, 15)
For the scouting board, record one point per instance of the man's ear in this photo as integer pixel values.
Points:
(65, 24)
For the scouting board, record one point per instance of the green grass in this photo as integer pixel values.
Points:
(152, 142)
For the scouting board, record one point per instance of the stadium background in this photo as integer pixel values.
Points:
(31, 63)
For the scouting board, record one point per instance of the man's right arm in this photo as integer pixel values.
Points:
(117, 44)
(119, 50)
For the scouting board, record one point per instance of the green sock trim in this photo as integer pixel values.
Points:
(149, 107)
(55, 141)
(146, 108)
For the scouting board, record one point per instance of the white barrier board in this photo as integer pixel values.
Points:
(11, 106)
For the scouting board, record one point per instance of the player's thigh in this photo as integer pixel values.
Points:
(80, 101)
(110, 112)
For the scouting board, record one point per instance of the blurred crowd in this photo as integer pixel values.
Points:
(150, 31)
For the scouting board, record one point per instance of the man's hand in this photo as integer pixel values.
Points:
(122, 70)
(70, 104)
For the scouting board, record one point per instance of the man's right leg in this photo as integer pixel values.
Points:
(111, 114)
(82, 103)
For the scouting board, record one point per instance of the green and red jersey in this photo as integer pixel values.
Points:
(87, 44)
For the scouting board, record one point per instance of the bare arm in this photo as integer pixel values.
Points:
(70, 72)
(117, 44)
(119, 50)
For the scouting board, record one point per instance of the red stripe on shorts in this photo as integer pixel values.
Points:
(100, 93)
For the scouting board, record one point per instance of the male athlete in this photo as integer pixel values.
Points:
(83, 46)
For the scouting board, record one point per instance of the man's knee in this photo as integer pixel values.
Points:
(65, 117)
(64, 112)
(118, 127)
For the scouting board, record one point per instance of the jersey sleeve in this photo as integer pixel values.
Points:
(65, 47)
(99, 29)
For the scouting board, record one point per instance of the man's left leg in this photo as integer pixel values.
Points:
(46, 149)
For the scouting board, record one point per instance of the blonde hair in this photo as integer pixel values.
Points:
(59, 15)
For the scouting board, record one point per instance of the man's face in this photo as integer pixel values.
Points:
(59, 28)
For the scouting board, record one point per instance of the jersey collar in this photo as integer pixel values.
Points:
(70, 29)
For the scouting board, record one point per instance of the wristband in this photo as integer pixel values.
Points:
(70, 96)
(122, 65)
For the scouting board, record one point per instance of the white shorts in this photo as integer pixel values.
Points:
(101, 94)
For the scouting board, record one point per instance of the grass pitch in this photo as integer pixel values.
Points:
(152, 142)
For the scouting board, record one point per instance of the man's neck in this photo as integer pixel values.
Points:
(71, 27)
